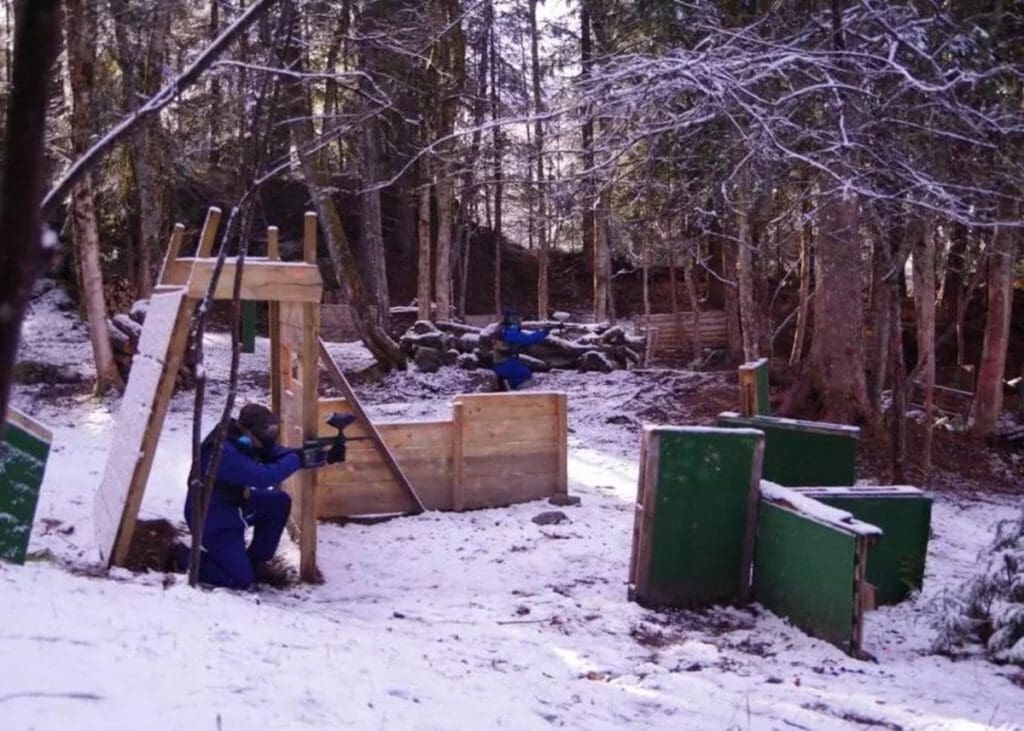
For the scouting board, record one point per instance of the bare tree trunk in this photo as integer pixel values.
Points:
(213, 154)
(602, 259)
(806, 270)
(149, 163)
(81, 44)
(443, 266)
(423, 236)
(346, 270)
(837, 343)
(646, 270)
(731, 304)
(587, 204)
(988, 394)
(898, 376)
(882, 290)
(749, 316)
(691, 290)
(498, 174)
(924, 300)
(373, 260)
(543, 304)
(36, 44)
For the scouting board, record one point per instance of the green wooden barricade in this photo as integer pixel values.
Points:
(802, 453)
(754, 387)
(904, 514)
(810, 565)
(23, 454)
(693, 530)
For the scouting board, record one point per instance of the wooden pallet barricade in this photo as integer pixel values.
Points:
(496, 450)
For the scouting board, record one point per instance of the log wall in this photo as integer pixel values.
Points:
(674, 340)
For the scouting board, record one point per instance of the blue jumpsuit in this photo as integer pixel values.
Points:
(225, 560)
(511, 369)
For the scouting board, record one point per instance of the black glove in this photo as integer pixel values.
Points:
(312, 455)
(336, 453)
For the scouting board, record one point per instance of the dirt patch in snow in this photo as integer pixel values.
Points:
(151, 546)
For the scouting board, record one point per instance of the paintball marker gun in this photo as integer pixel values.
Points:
(562, 317)
(329, 450)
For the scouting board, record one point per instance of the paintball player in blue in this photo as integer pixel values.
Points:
(509, 339)
(252, 464)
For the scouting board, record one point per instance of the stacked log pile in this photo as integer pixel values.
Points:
(585, 347)
(125, 333)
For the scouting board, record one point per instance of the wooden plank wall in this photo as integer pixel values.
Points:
(498, 449)
(673, 340)
(139, 422)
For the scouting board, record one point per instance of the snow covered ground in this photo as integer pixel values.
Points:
(473, 620)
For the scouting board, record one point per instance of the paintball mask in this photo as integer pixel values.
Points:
(261, 422)
(512, 318)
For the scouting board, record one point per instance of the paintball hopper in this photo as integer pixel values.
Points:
(562, 318)
(339, 420)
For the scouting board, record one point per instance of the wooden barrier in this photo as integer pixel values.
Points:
(802, 453)
(675, 332)
(904, 515)
(693, 533)
(810, 566)
(24, 450)
(498, 449)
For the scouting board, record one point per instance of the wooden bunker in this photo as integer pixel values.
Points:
(497, 449)
(24, 451)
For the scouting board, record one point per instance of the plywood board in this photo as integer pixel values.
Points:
(24, 451)
(803, 453)
(692, 547)
(903, 513)
(262, 279)
(804, 571)
(139, 422)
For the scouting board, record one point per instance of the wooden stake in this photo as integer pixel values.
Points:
(357, 408)
(274, 319)
(209, 232)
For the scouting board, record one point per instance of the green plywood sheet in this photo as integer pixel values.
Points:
(760, 369)
(803, 453)
(693, 540)
(904, 514)
(804, 570)
(23, 455)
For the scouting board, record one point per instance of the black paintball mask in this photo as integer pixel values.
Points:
(512, 318)
(261, 422)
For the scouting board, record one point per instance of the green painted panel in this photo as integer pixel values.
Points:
(22, 464)
(704, 485)
(896, 566)
(761, 373)
(802, 453)
(248, 326)
(804, 571)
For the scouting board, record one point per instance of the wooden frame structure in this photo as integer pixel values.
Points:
(294, 291)
(498, 449)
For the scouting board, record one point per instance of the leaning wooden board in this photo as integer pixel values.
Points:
(693, 529)
(139, 421)
(23, 454)
(810, 566)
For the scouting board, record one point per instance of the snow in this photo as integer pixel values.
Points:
(447, 620)
(813, 509)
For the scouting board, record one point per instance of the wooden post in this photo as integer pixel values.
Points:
(209, 233)
(458, 465)
(173, 249)
(274, 326)
(562, 420)
(310, 412)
